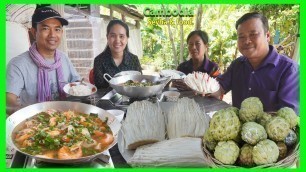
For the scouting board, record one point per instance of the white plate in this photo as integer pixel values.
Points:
(173, 73)
(90, 86)
(128, 72)
(211, 114)
(119, 114)
(128, 154)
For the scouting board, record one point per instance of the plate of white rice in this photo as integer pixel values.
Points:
(79, 89)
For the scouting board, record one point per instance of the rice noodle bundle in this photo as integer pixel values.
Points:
(186, 119)
(144, 124)
(202, 82)
(179, 152)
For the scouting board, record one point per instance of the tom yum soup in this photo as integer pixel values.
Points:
(63, 135)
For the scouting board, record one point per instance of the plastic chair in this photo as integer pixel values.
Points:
(91, 77)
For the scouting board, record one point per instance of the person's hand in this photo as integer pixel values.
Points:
(180, 85)
(202, 94)
(218, 94)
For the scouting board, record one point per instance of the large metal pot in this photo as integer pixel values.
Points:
(137, 92)
(29, 111)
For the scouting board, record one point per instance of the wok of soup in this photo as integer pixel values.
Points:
(63, 135)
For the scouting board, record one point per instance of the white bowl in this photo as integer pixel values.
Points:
(119, 114)
(170, 96)
(90, 86)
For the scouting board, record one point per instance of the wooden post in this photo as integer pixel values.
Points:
(137, 24)
(123, 17)
(94, 10)
(111, 12)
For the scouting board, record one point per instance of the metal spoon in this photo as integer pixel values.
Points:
(82, 82)
(103, 159)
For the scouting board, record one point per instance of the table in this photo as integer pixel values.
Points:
(210, 104)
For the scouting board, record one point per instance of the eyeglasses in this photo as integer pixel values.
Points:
(251, 36)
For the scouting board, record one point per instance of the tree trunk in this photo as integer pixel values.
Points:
(171, 39)
(199, 18)
(181, 39)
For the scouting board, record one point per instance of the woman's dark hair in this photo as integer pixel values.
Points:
(202, 34)
(252, 15)
(120, 22)
(110, 25)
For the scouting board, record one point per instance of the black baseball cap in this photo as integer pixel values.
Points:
(42, 14)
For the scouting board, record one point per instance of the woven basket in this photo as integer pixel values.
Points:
(288, 162)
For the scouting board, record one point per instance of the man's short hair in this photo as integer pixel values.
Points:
(252, 15)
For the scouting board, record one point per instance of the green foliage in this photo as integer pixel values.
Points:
(156, 41)
(152, 36)
(219, 22)
(285, 19)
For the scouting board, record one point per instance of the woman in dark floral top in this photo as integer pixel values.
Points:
(116, 56)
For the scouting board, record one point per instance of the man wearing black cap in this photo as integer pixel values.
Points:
(40, 74)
